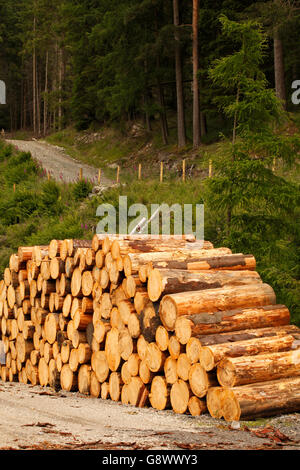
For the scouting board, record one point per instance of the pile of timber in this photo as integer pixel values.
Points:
(168, 323)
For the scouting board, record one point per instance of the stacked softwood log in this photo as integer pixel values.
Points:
(171, 323)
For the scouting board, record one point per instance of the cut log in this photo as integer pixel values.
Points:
(142, 346)
(112, 349)
(210, 356)
(84, 379)
(174, 347)
(196, 406)
(167, 281)
(233, 320)
(145, 373)
(219, 259)
(136, 389)
(200, 380)
(115, 384)
(43, 372)
(250, 333)
(51, 327)
(262, 367)
(193, 349)
(262, 399)
(160, 393)
(155, 358)
(214, 401)
(68, 379)
(54, 375)
(208, 301)
(179, 396)
(162, 338)
(134, 326)
(183, 366)
(170, 370)
(95, 386)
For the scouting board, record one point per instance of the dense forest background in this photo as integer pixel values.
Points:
(86, 62)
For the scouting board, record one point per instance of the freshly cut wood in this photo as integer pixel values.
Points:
(183, 366)
(174, 259)
(76, 283)
(105, 306)
(65, 351)
(112, 349)
(54, 375)
(57, 267)
(95, 386)
(134, 326)
(79, 337)
(261, 399)
(126, 345)
(81, 320)
(43, 370)
(250, 333)
(212, 300)
(126, 308)
(160, 393)
(210, 356)
(193, 349)
(179, 396)
(142, 346)
(149, 321)
(54, 248)
(136, 390)
(155, 358)
(84, 353)
(115, 383)
(84, 379)
(171, 281)
(100, 365)
(73, 360)
(262, 367)
(170, 370)
(145, 373)
(214, 401)
(233, 320)
(68, 379)
(217, 259)
(174, 347)
(133, 364)
(105, 391)
(196, 406)
(125, 374)
(87, 283)
(141, 299)
(200, 380)
(162, 338)
(101, 328)
(51, 327)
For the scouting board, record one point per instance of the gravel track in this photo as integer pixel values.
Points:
(32, 417)
(53, 159)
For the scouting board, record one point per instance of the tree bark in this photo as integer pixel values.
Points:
(181, 135)
(279, 68)
(196, 111)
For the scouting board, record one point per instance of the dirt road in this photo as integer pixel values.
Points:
(32, 417)
(53, 159)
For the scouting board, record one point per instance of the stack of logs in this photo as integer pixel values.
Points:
(171, 323)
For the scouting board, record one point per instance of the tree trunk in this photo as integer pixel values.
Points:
(45, 94)
(259, 400)
(279, 68)
(181, 136)
(210, 302)
(243, 370)
(196, 111)
(171, 281)
(210, 356)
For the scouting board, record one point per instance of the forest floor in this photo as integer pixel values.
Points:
(32, 417)
(57, 162)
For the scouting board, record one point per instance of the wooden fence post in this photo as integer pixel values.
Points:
(99, 176)
(140, 171)
(210, 169)
(161, 172)
(118, 174)
(183, 170)
(80, 174)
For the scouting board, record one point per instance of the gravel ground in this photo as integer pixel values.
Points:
(54, 160)
(32, 417)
